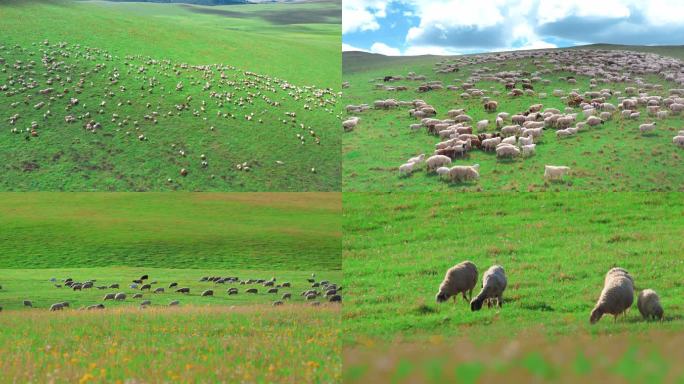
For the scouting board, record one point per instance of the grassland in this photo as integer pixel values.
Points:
(614, 157)
(188, 344)
(172, 237)
(555, 248)
(241, 69)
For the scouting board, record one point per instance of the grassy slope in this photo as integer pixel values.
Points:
(188, 344)
(66, 157)
(613, 157)
(179, 230)
(555, 248)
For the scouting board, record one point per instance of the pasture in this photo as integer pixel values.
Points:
(615, 156)
(274, 244)
(555, 248)
(103, 96)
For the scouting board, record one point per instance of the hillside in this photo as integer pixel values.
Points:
(151, 97)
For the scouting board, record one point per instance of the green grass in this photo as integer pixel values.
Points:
(186, 344)
(555, 248)
(615, 156)
(162, 39)
(266, 231)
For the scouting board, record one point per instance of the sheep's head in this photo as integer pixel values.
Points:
(476, 305)
(442, 297)
(596, 314)
(659, 313)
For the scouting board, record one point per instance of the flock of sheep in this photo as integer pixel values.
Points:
(518, 133)
(314, 294)
(615, 299)
(50, 81)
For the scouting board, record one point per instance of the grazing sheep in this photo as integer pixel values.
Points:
(277, 303)
(28, 303)
(272, 290)
(109, 296)
(506, 151)
(174, 303)
(335, 299)
(56, 307)
(460, 278)
(491, 106)
(208, 292)
(159, 290)
(493, 285)
(173, 285)
(529, 150)
(678, 141)
(252, 290)
(616, 297)
(146, 286)
(593, 121)
(525, 140)
(95, 307)
(138, 296)
(645, 128)
(145, 302)
(464, 173)
(286, 295)
(114, 286)
(511, 140)
(232, 291)
(406, 168)
(553, 172)
(350, 124)
(649, 306)
(482, 125)
(490, 144)
(183, 290)
(436, 161)
(120, 296)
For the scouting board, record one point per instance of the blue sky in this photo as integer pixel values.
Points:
(410, 27)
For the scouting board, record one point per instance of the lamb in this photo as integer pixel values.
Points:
(644, 128)
(649, 306)
(436, 161)
(460, 278)
(616, 297)
(529, 150)
(493, 285)
(441, 171)
(464, 173)
(507, 151)
(678, 141)
(554, 172)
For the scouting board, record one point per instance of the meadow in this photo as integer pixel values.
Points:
(612, 157)
(554, 247)
(182, 97)
(115, 238)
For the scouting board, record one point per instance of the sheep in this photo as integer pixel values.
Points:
(522, 141)
(138, 296)
(159, 290)
(461, 278)
(490, 144)
(335, 299)
(529, 150)
(232, 291)
(173, 285)
(645, 128)
(616, 297)
(174, 303)
(114, 286)
(649, 306)
(28, 303)
(553, 172)
(593, 121)
(417, 159)
(678, 141)
(491, 106)
(183, 290)
(436, 161)
(350, 124)
(145, 303)
(277, 303)
(562, 133)
(442, 171)
(286, 295)
(533, 132)
(509, 140)
(109, 296)
(272, 290)
(252, 290)
(482, 125)
(493, 285)
(56, 307)
(510, 130)
(146, 286)
(406, 168)
(95, 307)
(120, 296)
(464, 173)
(507, 151)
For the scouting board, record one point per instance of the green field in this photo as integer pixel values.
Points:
(115, 238)
(236, 84)
(612, 157)
(555, 248)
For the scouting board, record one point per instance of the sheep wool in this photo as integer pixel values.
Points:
(649, 306)
(616, 297)
(494, 283)
(460, 278)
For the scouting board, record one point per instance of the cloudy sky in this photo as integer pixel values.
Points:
(415, 27)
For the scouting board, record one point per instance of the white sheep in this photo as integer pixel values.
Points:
(644, 128)
(678, 140)
(442, 171)
(493, 285)
(509, 140)
(593, 121)
(553, 172)
(460, 278)
(482, 125)
(529, 150)
(525, 141)
(616, 297)
(436, 161)
(350, 124)
(507, 151)
(417, 159)
(649, 306)
(407, 168)
(464, 173)
(489, 144)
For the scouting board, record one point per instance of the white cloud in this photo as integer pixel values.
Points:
(348, 47)
(417, 50)
(360, 15)
(384, 49)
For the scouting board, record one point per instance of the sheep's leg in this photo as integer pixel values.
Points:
(500, 301)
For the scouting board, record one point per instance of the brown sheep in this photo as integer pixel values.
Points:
(491, 106)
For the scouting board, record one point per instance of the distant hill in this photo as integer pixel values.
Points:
(198, 2)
